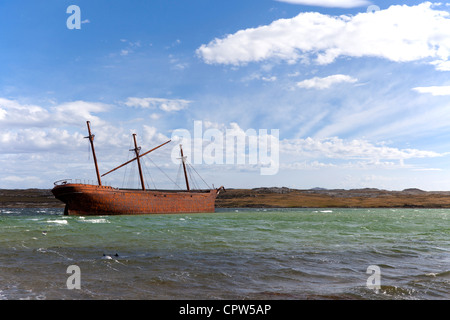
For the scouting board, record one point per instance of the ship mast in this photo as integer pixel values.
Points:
(136, 150)
(91, 140)
(183, 159)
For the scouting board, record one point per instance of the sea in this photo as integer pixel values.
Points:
(232, 254)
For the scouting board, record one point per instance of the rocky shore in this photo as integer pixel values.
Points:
(272, 198)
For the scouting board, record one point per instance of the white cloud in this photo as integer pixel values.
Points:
(330, 3)
(31, 140)
(151, 135)
(434, 90)
(441, 65)
(27, 128)
(20, 181)
(77, 112)
(326, 82)
(155, 116)
(258, 76)
(400, 33)
(168, 105)
(269, 79)
(177, 64)
(130, 48)
(361, 164)
(14, 113)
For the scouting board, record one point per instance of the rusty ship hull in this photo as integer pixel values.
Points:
(88, 200)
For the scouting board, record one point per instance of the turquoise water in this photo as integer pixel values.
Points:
(230, 254)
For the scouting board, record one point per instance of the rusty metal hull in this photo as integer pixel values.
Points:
(86, 200)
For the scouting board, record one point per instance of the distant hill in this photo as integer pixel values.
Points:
(326, 198)
(23, 198)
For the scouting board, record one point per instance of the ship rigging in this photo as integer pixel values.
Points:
(82, 199)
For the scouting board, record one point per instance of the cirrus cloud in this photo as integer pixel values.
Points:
(330, 3)
(168, 105)
(337, 148)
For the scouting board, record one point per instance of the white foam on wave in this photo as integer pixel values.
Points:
(58, 221)
(99, 220)
(96, 220)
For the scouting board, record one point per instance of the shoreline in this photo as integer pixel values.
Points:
(272, 198)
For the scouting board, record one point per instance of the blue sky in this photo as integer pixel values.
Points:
(359, 90)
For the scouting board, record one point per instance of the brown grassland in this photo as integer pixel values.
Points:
(322, 198)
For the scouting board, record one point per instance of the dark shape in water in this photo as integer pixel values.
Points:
(88, 199)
